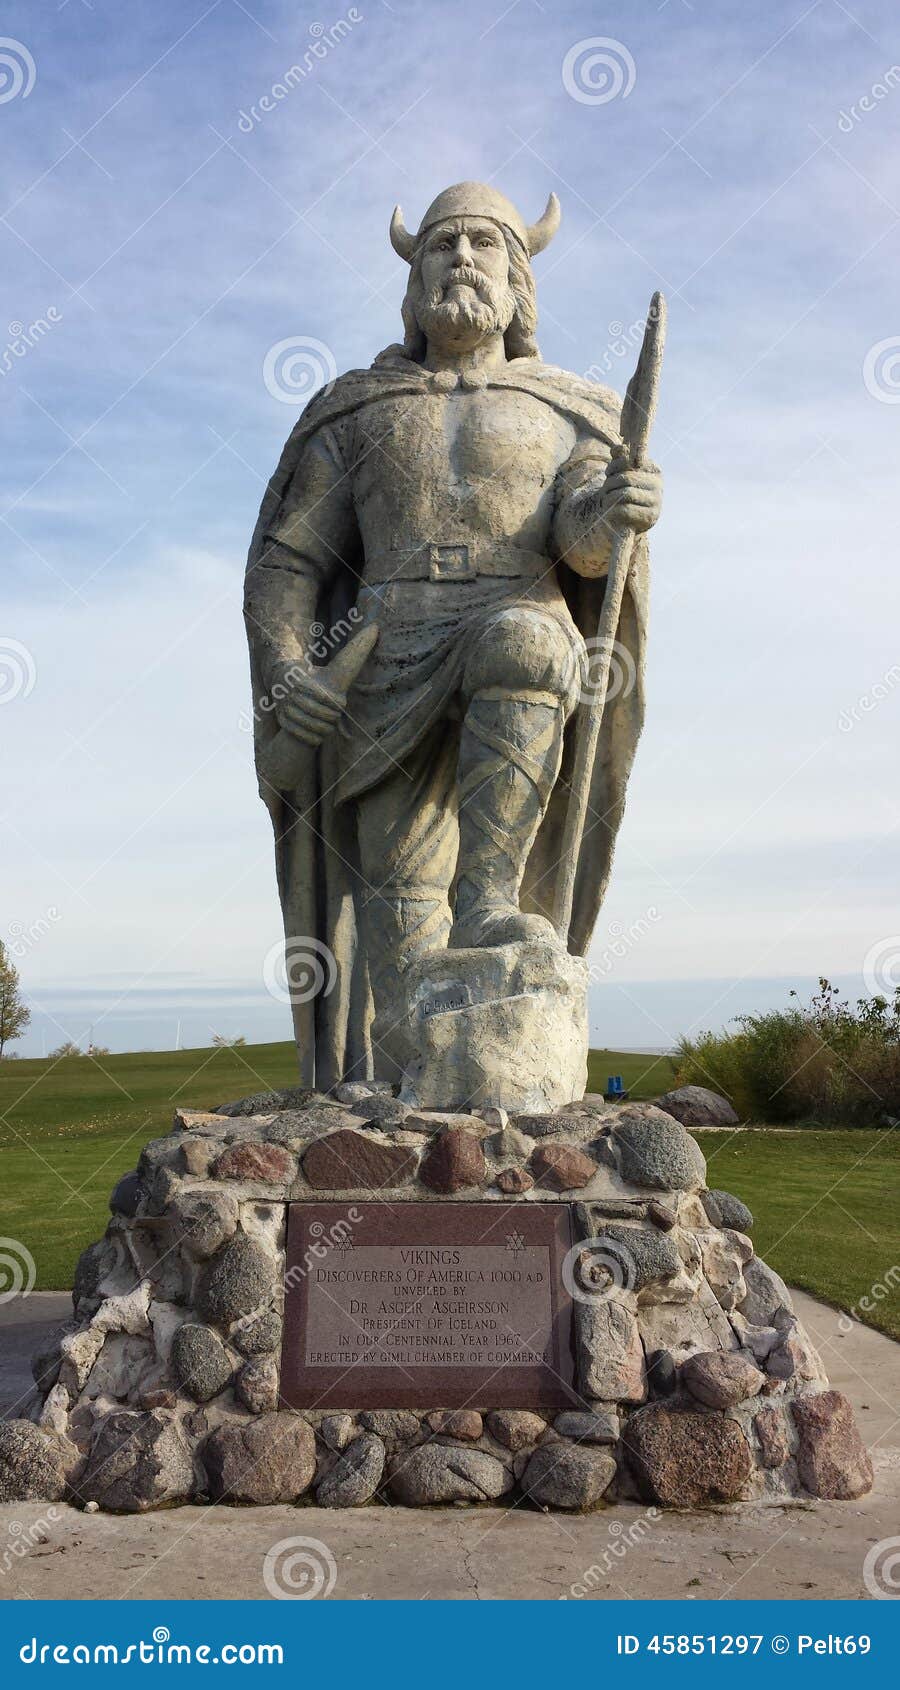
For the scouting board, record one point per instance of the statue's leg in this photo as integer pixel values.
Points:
(519, 687)
(408, 842)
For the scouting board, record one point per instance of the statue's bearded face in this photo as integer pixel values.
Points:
(465, 282)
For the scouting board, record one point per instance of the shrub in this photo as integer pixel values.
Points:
(824, 1061)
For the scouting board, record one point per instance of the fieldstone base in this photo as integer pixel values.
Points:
(696, 1384)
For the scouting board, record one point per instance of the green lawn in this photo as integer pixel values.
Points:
(826, 1203)
(826, 1206)
(69, 1128)
(77, 1098)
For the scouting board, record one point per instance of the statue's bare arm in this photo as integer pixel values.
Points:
(599, 493)
(314, 535)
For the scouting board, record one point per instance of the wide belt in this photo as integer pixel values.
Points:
(454, 562)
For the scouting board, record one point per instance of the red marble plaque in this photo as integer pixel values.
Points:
(427, 1305)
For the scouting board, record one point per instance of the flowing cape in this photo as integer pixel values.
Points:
(315, 838)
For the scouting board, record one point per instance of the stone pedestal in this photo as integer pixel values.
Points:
(689, 1382)
(503, 1026)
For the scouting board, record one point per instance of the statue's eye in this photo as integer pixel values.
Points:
(485, 241)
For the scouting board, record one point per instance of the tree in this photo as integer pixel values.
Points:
(14, 1014)
(67, 1048)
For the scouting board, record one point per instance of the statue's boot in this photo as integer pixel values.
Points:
(510, 752)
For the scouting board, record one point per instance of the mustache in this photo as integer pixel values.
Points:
(486, 290)
(493, 306)
(467, 276)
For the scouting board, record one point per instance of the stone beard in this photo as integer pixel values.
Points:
(452, 496)
(494, 308)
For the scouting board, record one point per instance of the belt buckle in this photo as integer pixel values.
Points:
(450, 563)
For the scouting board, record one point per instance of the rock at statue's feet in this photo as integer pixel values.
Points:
(505, 1025)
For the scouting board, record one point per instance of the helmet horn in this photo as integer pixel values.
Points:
(403, 243)
(541, 233)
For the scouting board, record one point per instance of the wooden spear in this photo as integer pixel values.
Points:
(638, 412)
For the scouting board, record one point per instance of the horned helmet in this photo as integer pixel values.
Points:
(476, 199)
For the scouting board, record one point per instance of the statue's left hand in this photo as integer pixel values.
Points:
(631, 498)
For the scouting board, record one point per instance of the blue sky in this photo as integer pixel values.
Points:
(742, 162)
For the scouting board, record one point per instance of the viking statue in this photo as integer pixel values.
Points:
(429, 562)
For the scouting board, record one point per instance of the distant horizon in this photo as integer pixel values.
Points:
(646, 1017)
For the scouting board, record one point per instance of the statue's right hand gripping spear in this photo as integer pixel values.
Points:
(638, 412)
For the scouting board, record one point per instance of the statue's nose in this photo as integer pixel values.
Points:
(462, 252)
